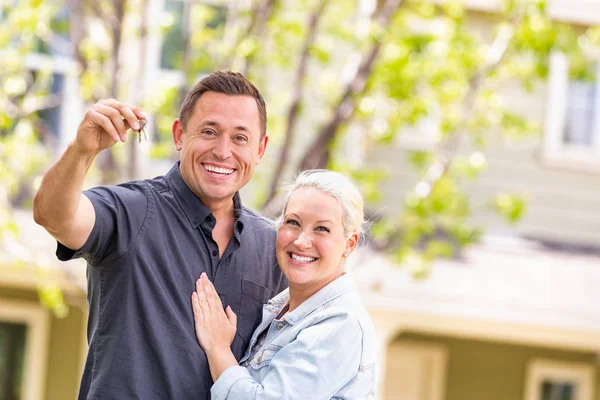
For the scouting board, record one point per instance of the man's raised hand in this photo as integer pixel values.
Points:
(105, 124)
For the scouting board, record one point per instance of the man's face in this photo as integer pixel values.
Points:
(220, 147)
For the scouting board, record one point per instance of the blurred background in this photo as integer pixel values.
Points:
(472, 128)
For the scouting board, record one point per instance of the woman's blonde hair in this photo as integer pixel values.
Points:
(339, 187)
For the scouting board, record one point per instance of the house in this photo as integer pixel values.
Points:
(517, 316)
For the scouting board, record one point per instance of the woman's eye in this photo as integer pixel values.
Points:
(323, 229)
(292, 222)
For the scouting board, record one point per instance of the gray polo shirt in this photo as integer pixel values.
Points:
(150, 242)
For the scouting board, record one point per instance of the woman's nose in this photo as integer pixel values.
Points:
(303, 240)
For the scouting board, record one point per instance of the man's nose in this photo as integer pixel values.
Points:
(303, 240)
(222, 149)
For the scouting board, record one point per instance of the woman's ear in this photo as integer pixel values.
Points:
(351, 244)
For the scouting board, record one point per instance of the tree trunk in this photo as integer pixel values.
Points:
(133, 145)
(263, 13)
(106, 159)
(292, 115)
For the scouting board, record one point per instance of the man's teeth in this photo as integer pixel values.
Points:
(302, 259)
(218, 170)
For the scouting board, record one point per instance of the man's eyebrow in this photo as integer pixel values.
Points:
(242, 128)
(210, 123)
(217, 125)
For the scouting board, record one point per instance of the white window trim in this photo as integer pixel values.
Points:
(540, 369)
(37, 320)
(555, 153)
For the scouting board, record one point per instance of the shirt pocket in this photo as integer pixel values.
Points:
(254, 296)
(264, 357)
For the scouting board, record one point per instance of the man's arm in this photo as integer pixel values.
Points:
(59, 206)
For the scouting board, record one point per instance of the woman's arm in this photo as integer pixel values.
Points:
(322, 360)
(215, 328)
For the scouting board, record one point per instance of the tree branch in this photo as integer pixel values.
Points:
(317, 154)
(292, 115)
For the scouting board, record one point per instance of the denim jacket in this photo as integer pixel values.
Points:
(324, 349)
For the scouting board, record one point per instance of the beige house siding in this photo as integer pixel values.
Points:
(562, 204)
(485, 370)
(64, 356)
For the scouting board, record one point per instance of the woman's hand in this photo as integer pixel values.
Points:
(215, 328)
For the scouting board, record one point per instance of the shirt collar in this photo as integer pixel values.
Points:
(239, 214)
(195, 210)
(338, 287)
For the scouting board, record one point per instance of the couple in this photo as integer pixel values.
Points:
(147, 242)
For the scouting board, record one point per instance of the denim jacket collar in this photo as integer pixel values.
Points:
(338, 287)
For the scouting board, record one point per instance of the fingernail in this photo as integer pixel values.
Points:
(203, 275)
(136, 126)
(143, 114)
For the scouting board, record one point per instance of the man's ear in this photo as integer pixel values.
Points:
(262, 146)
(177, 130)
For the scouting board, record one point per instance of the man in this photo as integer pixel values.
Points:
(151, 237)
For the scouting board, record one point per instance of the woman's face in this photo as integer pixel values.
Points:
(311, 243)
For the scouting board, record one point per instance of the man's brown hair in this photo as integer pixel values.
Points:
(226, 82)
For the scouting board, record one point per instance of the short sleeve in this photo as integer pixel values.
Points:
(120, 215)
(323, 359)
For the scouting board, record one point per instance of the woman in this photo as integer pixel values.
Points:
(316, 340)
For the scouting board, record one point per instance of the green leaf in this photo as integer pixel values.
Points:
(511, 207)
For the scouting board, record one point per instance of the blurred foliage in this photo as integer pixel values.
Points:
(25, 92)
(435, 64)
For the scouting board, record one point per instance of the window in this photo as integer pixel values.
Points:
(558, 380)
(580, 123)
(572, 131)
(12, 349)
(557, 390)
(24, 330)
